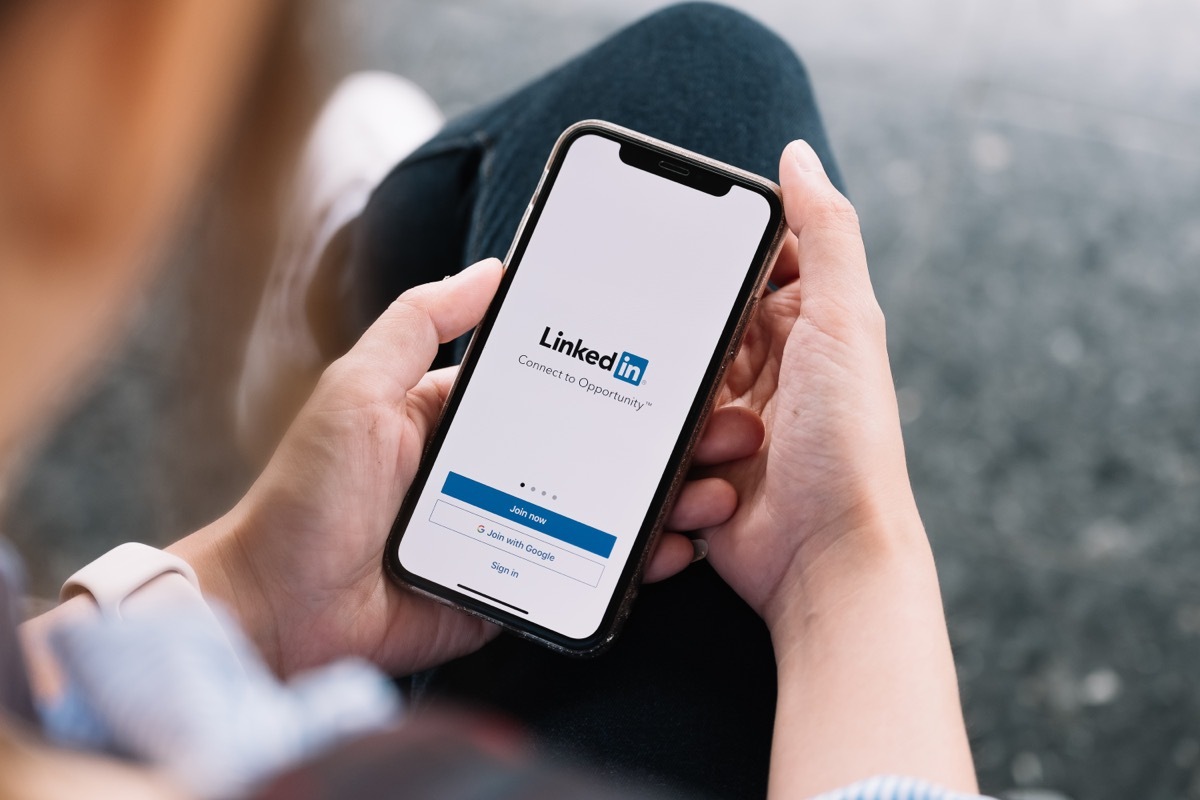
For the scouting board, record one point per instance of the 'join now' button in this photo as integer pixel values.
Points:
(534, 517)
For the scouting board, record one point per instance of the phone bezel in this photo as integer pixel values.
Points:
(675, 468)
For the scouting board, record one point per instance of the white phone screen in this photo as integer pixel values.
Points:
(579, 395)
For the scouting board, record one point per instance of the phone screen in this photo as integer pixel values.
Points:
(550, 463)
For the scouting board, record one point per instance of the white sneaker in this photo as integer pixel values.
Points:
(370, 122)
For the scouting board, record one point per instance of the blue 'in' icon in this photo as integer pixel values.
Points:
(630, 368)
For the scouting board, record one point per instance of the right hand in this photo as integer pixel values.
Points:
(814, 364)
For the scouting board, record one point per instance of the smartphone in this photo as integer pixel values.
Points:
(571, 424)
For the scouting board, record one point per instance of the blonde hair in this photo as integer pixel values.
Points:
(116, 118)
(115, 115)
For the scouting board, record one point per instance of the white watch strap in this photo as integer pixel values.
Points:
(118, 574)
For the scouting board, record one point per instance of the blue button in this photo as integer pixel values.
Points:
(494, 501)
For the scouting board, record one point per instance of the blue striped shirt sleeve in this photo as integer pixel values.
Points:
(895, 787)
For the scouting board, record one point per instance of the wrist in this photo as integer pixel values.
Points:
(832, 569)
(216, 552)
(45, 677)
(866, 676)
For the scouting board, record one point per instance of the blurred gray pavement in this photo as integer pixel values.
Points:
(1028, 177)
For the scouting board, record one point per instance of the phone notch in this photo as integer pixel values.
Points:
(693, 175)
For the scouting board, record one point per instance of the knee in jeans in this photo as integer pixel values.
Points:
(728, 37)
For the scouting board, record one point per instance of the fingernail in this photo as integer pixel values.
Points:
(699, 549)
(478, 265)
(805, 157)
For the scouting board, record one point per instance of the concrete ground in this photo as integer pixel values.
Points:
(1028, 175)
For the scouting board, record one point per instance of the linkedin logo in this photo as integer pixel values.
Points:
(630, 368)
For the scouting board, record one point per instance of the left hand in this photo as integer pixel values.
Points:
(814, 365)
(300, 559)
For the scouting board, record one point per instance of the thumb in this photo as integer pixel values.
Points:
(399, 346)
(832, 261)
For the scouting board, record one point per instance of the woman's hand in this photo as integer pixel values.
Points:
(827, 544)
(814, 365)
(300, 558)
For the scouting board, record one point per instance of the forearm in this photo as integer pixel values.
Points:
(867, 683)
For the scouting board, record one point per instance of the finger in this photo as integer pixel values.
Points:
(399, 347)
(440, 381)
(426, 399)
(787, 266)
(732, 432)
(831, 261)
(702, 504)
(672, 553)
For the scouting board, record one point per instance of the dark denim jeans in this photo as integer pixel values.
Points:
(686, 697)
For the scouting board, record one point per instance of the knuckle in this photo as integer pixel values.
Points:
(833, 211)
(873, 318)
(406, 327)
(850, 319)
(408, 312)
(339, 371)
(344, 380)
